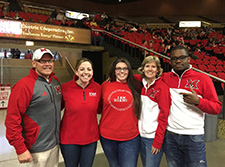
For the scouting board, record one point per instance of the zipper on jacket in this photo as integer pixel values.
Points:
(180, 77)
(50, 93)
(56, 120)
(84, 94)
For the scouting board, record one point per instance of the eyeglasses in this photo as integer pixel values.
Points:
(120, 69)
(45, 61)
(181, 58)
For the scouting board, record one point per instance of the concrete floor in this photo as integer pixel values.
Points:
(215, 152)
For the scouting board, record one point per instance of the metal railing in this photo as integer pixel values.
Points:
(166, 57)
(69, 67)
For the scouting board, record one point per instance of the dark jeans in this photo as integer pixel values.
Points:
(95, 39)
(78, 154)
(121, 153)
(149, 159)
(185, 150)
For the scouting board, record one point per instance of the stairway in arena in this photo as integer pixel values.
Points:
(15, 69)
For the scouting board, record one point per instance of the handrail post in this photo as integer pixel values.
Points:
(1, 70)
(223, 107)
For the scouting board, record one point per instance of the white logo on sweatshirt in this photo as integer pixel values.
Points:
(119, 99)
(92, 94)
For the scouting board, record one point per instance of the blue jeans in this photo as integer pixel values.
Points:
(121, 153)
(149, 159)
(185, 150)
(78, 154)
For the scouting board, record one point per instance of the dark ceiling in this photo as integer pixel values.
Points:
(140, 7)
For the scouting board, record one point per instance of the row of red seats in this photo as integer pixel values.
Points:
(209, 68)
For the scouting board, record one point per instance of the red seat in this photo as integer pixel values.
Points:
(192, 42)
(198, 61)
(219, 68)
(221, 75)
(202, 67)
(211, 68)
(213, 62)
(205, 62)
(206, 57)
(213, 58)
(208, 48)
(220, 62)
(204, 42)
(192, 61)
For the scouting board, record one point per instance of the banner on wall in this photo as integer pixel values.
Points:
(45, 32)
(4, 96)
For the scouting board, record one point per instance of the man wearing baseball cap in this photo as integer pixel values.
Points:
(33, 114)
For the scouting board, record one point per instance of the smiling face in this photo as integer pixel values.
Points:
(44, 66)
(84, 73)
(179, 60)
(121, 72)
(150, 71)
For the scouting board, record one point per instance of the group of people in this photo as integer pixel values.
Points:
(147, 113)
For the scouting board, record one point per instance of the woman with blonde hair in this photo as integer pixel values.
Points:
(156, 103)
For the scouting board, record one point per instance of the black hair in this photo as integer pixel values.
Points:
(179, 47)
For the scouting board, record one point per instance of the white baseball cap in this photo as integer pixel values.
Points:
(37, 55)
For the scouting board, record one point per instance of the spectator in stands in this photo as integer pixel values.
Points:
(17, 16)
(74, 24)
(96, 37)
(5, 15)
(139, 30)
(125, 27)
(17, 53)
(193, 94)
(86, 23)
(156, 103)
(5, 53)
(28, 55)
(150, 46)
(171, 47)
(133, 29)
(104, 17)
(31, 19)
(114, 30)
(107, 27)
(49, 21)
(119, 133)
(93, 22)
(79, 128)
(54, 14)
(5, 7)
(34, 109)
(162, 49)
(64, 23)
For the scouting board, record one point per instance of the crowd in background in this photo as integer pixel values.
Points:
(160, 40)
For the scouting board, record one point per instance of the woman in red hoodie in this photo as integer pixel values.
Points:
(79, 128)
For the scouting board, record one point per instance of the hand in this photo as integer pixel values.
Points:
(191, 98)
(155, 150)
(25, 157)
